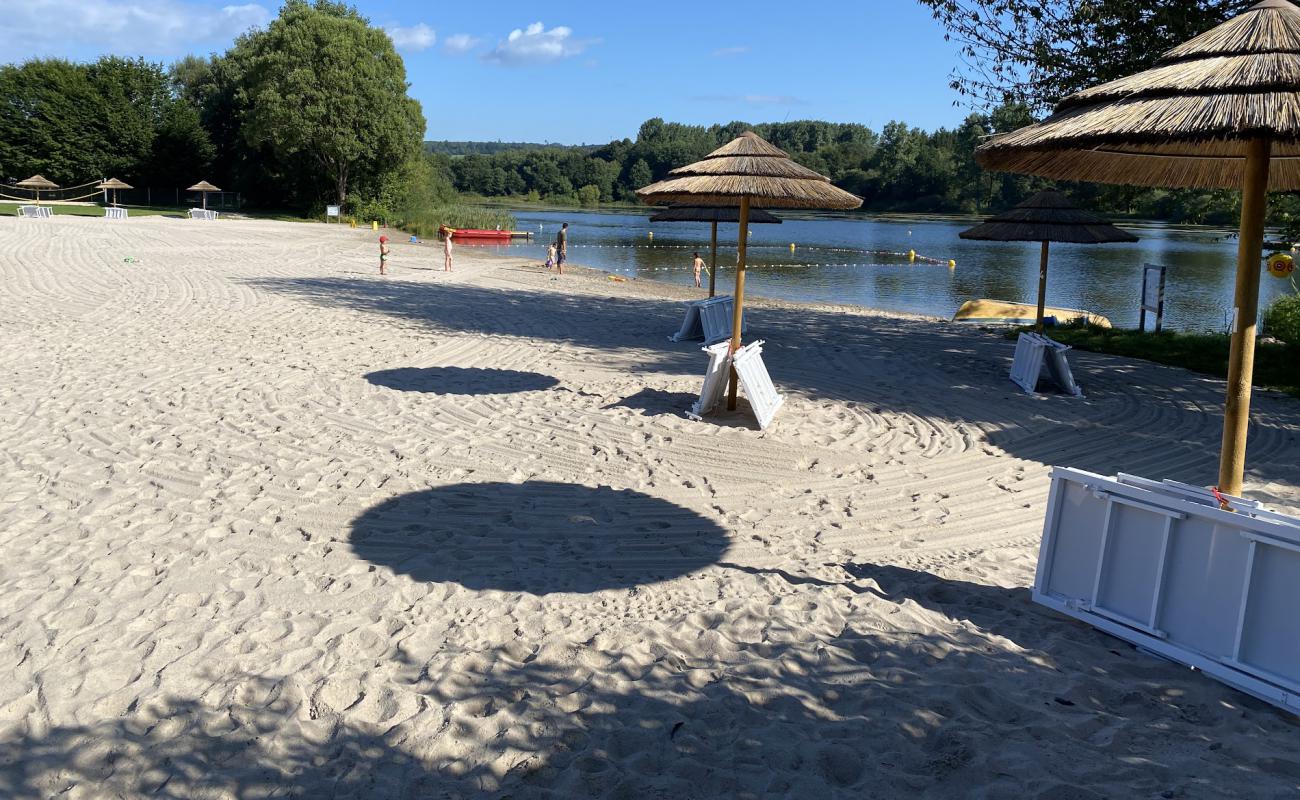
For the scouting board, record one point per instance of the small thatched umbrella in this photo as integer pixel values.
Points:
(204, 187)
(1047, 217)
(747, 171)
(1213, 112)
(114, 184)
(36, 183)
(714, 215)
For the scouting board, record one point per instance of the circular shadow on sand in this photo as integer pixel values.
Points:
(461, 380)
(536, 537)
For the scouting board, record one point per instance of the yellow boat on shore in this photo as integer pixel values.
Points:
(1001, 312)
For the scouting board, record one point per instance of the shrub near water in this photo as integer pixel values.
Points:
(1282, 320)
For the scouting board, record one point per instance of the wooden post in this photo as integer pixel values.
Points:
(1241, 353)
(713, 266)
(739, 299)
(1042, 289)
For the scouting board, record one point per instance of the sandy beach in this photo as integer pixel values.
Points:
(274, 526)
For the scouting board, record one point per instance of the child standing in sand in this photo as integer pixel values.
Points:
(562, 247)
(446, 252)
(699, 265)
(550, 255)
(383, 255)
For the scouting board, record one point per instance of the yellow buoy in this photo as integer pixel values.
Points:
(1280, 265)
(911, 255)
(952, 264)
(651, 235)
(791, 247)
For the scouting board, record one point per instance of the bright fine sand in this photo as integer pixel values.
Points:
(272, 526)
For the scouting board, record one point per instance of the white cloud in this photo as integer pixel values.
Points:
(459, 43)
(414, 37)
(69, 28)
(730, 51)
(536, 45)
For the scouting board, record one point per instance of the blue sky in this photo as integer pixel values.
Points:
(576, 72)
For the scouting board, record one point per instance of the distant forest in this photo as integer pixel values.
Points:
(899, 168)
(448, 148)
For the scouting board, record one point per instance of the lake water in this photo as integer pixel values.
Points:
(847, 259)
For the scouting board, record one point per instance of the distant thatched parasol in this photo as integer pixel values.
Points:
(747, 171)
(204, 187)
(36, 183)
(114, 184)
(1047, 217)
(1212, 112)
(713, 215)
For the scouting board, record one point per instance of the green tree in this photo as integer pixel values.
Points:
(1039, 51)
(589, 195)
(639, 174)
(326, 94)
(182, 153)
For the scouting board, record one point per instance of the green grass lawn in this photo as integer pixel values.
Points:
(9, 209)
(1277, 366)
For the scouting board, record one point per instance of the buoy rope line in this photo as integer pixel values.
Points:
(749, 266)
(812, 248)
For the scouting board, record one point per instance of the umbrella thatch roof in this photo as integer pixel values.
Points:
(37, 182)
(712, 214)
(112, 183)
(748, 166)
(203, 186)
(1048, 216)
(1185, 121)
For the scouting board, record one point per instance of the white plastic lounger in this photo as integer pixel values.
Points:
(1034, 352)
(1161, 565)
(715, 380)
(763, 397)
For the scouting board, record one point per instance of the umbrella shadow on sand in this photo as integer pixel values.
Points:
(537, 537)
(461, 380)
(655, 402)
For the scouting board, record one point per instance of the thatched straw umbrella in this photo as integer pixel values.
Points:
(36, 183)
(747, 171)
(1221, 110)
(204, 187)
(713, 215)
(114, 184)
(1047, 217)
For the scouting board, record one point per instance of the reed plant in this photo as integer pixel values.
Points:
(426, 221)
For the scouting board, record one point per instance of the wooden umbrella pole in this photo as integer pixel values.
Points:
(1042, 288)
(1241, 353)
(739, 314)
(713, 267)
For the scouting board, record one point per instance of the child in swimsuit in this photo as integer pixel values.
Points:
(383, 255)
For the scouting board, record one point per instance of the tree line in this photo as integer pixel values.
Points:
(312, 109)
(899, 168)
